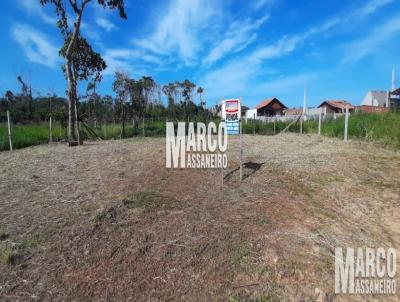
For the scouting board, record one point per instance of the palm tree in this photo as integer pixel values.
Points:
(200, 91)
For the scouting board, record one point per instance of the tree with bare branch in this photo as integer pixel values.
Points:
(81, 62)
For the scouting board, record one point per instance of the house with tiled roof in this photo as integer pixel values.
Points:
(335, 106)
(293, 111)
(270, 107)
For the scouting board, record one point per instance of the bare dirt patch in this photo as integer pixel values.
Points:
(108, 221)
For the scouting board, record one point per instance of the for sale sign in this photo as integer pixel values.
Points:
(231, 113)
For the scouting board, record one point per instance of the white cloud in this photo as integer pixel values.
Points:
(36, 45)
(257, 4)
(371, 7)
(129, 60)
(240, 77)
(118, 59)
(239, 35)
(34, 8)
(287, 84)
(182, 30)
(229, 80)
(282, 47)
(237, 75)
(378, 40)
(240, 73)
(106, 24)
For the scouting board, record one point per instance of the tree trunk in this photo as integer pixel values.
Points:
(73, 134)
(123, 120)
(72, 137)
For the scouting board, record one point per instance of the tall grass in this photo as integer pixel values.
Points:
(35, 134)
(383, 128)
(114, 131)
(29, 135)
(259, 127)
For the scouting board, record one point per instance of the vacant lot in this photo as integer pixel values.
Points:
(108, 221)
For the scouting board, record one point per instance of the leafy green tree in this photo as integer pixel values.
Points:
(187, 88)
(81, 62)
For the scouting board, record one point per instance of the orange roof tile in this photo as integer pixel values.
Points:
(269, 101)
(338, 104)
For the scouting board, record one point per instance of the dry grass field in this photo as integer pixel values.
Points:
(107, 220)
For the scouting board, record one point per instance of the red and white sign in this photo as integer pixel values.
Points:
(231, 114)
(231, 110)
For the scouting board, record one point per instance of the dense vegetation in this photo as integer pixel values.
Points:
(380, 128)
(137, 109)
(137, 104)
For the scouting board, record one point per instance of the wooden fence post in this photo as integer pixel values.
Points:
(254, 124)
(346, 123)
(9, 130)
(319, 121)
(301, 124)
(50, 130)
(274, 125)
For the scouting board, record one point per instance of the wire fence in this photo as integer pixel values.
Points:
(379, 127)
(25, 135)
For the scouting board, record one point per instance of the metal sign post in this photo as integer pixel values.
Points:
(241, 151)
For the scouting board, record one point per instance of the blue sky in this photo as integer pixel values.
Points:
(338, 49)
